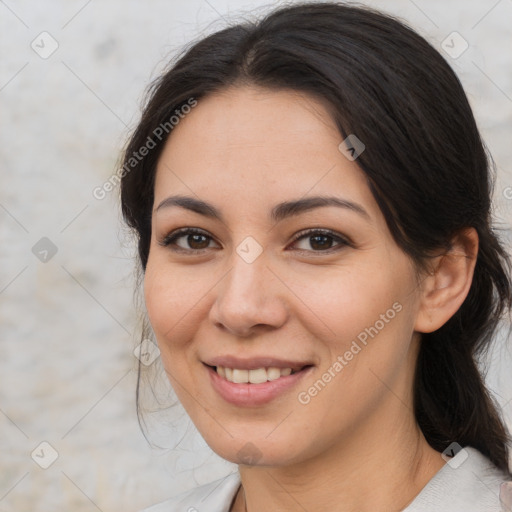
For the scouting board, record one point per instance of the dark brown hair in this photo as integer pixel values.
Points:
(425, 164)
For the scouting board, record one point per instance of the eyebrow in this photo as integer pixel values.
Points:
(279, 212)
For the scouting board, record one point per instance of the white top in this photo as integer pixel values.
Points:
(468, 482)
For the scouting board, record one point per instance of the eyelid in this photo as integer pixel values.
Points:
(342, 240)
(168, 239)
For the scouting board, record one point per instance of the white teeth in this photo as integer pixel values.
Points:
(240, 376)
(273, 373)
(258, 376)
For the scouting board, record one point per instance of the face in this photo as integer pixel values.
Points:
(270, 276)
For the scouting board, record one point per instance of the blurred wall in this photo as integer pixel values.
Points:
(72, 76)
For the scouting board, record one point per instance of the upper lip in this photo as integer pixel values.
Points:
(254, 363)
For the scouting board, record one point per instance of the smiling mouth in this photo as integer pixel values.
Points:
(256, 376)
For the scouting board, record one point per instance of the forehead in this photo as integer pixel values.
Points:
(258, 144)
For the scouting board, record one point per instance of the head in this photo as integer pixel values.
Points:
(403, 278)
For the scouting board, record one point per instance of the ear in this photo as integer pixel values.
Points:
(446, 287)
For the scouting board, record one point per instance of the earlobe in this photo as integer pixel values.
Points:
(444, 290)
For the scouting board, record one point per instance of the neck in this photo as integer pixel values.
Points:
(382, 465)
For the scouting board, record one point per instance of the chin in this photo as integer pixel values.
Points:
(249, 451)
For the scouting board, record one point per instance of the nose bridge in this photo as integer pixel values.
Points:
(247, 296)
(246, 280)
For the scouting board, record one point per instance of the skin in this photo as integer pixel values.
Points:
(356, 445)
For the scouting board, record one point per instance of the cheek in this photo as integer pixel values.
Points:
(177, 302)
(366, 317)
(174, 304)
(168, 306)
(347, 299)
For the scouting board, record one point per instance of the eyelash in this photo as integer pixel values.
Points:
(171, 238)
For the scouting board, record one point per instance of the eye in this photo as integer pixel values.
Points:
(187, 240)
(195, 240)
(320, 240)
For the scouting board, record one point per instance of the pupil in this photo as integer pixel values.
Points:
(194, 239)
(321, 245)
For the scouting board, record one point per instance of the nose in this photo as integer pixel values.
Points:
(249, 299)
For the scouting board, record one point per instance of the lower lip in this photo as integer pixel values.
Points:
(247, 395)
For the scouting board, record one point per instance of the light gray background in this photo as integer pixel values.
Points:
(68, 325)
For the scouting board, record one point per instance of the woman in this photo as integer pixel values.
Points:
(320, 271)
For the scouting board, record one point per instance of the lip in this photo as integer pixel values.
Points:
(256, 362)
(254, 395)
